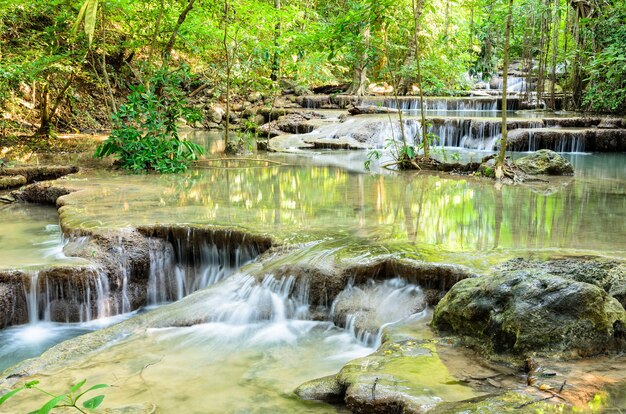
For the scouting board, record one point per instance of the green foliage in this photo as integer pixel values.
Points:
(68, 400)
(606, 90)
(88, 14)
(372, 155)
(145, 134)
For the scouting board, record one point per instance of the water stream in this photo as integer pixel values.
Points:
(262, 338)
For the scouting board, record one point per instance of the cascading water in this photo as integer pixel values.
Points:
(190, 264)
(366, 310)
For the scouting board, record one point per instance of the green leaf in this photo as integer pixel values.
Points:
(10, 394)
(51, 404)
(77, 386)
(94, 402)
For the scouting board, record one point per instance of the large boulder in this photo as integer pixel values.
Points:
(545, 162)
(522, 311)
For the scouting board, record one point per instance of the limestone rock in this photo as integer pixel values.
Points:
(545, 162)
(321, 389)
(12, 181)
(520, 311)
(214, 114)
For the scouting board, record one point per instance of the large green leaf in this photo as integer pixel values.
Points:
(10, 394)
(88, 14)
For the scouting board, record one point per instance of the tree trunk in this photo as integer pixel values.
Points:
(417, 15)
(105, 74)
(181, 19)
(556, 20)
(505, 75)
(45, 125)
(228, 68)
(276, 58)
(359, 79)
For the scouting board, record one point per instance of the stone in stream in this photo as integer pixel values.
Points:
(12, 181)
(544, 162)
(325, 389)
(548, 308)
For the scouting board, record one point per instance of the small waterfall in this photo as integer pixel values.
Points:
(52, 297)
(366, 310)
(276, 300)
(32, 298)
(191, 263)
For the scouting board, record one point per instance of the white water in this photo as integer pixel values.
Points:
(368, 309)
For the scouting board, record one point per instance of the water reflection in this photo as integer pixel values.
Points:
(293, 203)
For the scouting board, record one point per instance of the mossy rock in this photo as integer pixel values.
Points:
(545, 162)
(508, 402)
(520, 311)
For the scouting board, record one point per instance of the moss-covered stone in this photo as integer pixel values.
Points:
(508, 402)
(545, 162)
(322, 389)
(520, 311)
(12, 181)
(401, 376)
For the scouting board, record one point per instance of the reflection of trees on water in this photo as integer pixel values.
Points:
(457, 214)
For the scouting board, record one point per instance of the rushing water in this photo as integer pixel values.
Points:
(259, 343)
(261, 340)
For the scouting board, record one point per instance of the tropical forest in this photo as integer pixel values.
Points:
(280, 206)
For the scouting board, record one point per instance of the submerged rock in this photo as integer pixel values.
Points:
(522, 311)
(545, 162)
(325, 389)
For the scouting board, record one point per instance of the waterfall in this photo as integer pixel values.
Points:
(189, 264)
(366, 310)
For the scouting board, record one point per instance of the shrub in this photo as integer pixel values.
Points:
(145, 131)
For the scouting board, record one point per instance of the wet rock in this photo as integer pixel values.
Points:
(521, 311)
(294, 123)
(612, 123)
(544, 162)
(214, 114)
(402, 376)
(511, 401)
(325, 389)
(12, 181)
(328, 279)
(609, 275)
(269, 130)
(7, 199)
(43, 193)
(13, 308)
(487, 168)
(40, 172)
(370, 110)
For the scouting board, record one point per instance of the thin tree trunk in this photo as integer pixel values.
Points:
(157, 29)
(181, 19)
(276, 58)
(417, 15)
(45, 127)
(105, 74)
(505, 75)
(556, 20)
(227, 55)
